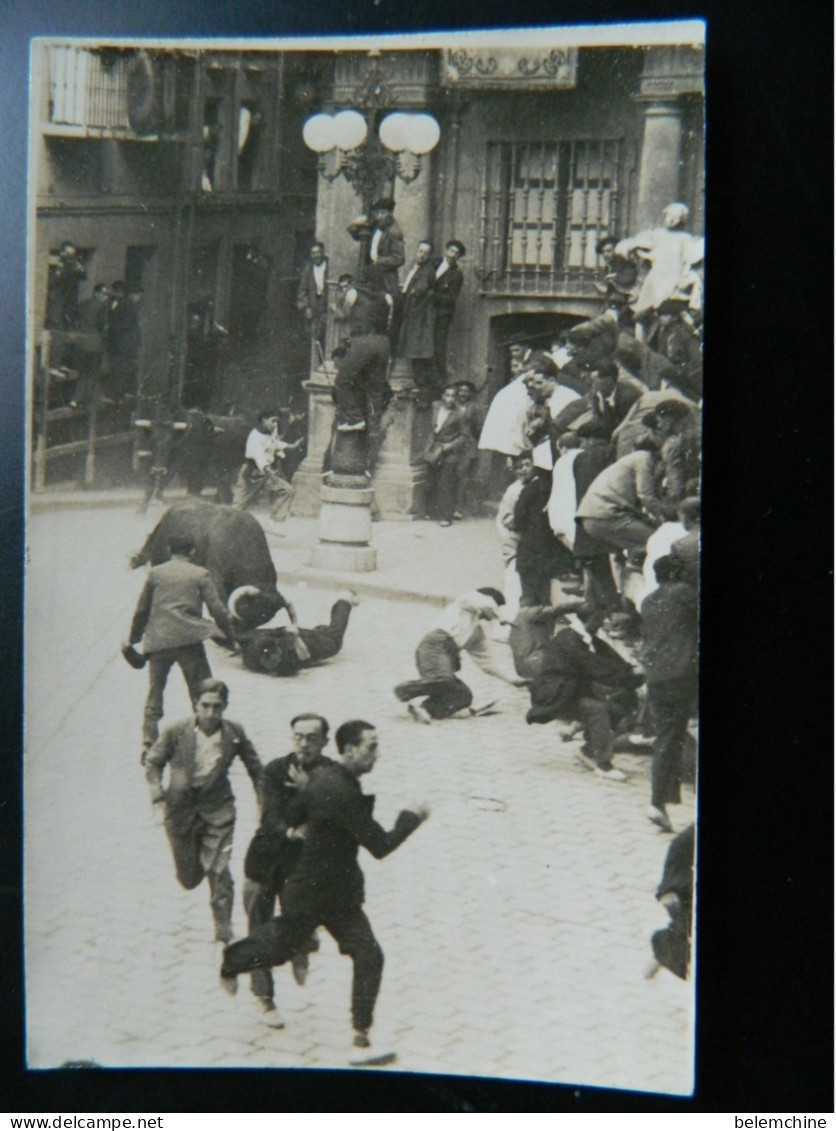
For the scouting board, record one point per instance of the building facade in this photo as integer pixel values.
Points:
(185, 172)
(181, 173)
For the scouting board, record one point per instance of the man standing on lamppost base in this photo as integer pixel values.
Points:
(386, 247)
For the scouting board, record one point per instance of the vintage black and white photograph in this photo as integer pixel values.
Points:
(364, 384)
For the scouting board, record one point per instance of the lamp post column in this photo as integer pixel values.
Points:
(400, 475)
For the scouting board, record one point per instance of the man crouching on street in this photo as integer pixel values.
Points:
(199, 804)
(326, 887)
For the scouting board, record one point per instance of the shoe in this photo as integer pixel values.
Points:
(458, 514)
(363, 1056)
(299, 966)
(420, 714)
(445, 522)
(271, 1016)
(360, 426)
(484, 709)
(229, 983)
(350, 596)
(659, 817)
(612, 774)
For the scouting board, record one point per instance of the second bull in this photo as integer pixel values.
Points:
(203, 449)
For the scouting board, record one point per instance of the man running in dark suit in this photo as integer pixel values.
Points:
(326, 887)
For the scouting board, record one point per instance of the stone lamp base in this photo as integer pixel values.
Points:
(345, 526)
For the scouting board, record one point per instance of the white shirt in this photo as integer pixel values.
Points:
(563, 501)
(504, 427)
(559, 399)
(442, 267)
(207, 754)
(443, 415)
(262, 448)
(410, 276)
(472, 634)
(319, 270)
(377, 235)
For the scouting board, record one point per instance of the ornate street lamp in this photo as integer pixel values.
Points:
(348, 147)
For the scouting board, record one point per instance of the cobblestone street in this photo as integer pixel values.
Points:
(515, 922)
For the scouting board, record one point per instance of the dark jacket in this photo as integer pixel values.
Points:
(449, 440)
(390, 256)
(538, 547)
(416, 336)
(669, 627)
(624, 396)
(339, 823)
(445, 291)
(271, 856)
(307, 297)
(573, 671)
(176, 749)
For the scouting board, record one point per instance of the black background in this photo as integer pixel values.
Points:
(765, 971)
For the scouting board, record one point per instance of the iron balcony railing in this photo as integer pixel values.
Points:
(87, 88)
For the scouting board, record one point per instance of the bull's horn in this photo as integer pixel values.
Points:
(236, 594)
(142, 423)
(180, 426)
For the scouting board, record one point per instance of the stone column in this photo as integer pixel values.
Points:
(400, 475)
(660, 161)
(308, 477)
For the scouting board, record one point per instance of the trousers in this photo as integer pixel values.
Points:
(670, 702)
(276, 942)
(325, 640)
(622, 531)
(195, 668)
(437, 660)
(201, 843)
(599, 717)
(442, 478)
(251, 484)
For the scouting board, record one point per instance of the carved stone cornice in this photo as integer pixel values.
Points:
(511, 68)
(386, 79)
(670, 72)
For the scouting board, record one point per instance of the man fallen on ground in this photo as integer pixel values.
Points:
(326, 888)
(198, 802)
(276, 847)
(285, 650)
(585, 680)
(464, 626)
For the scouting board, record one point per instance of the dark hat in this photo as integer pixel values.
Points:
(458, 245)
(134, 658)
(602, 243)
(383, 204)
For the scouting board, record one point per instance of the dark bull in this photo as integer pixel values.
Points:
(203, 449)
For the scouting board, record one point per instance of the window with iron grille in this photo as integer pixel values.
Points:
(544, 206)
(87, 88)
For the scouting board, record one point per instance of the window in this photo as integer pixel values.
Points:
(544, 205)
